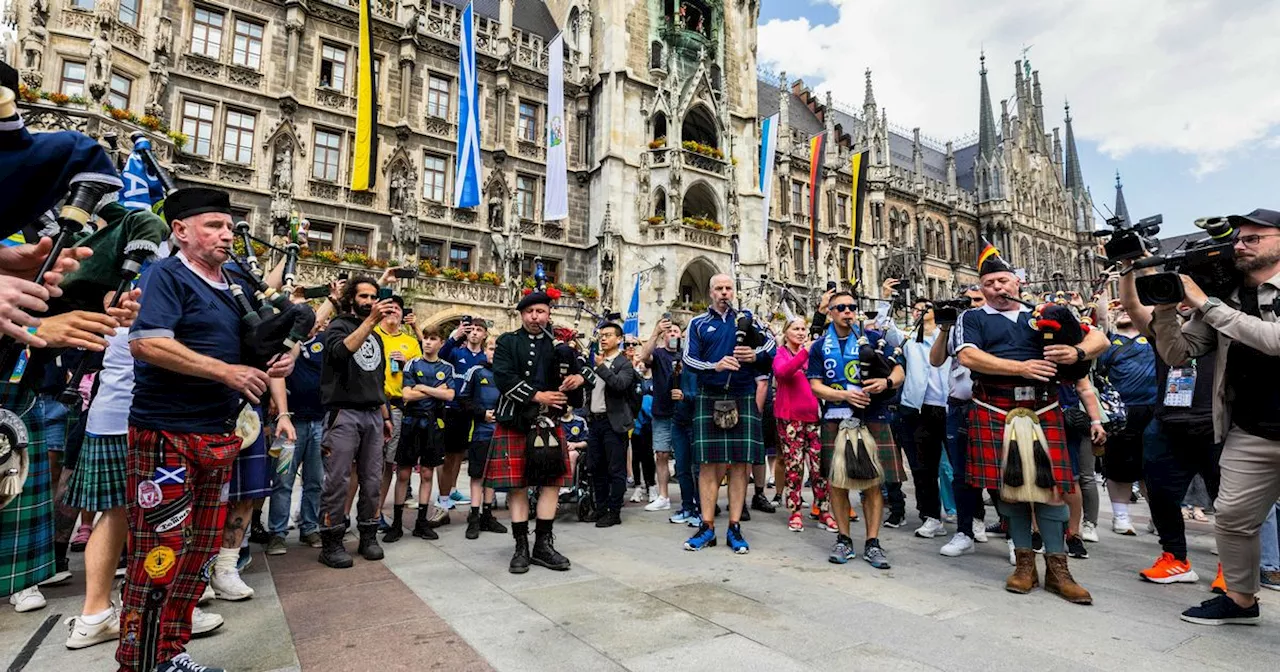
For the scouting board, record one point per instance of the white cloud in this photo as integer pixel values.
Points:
(1200, 77)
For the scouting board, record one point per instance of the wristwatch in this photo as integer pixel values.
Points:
(1080, 356)
(1209, 304)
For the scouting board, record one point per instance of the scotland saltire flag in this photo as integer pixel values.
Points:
(631, 327)
(466, 188)
(141, 190)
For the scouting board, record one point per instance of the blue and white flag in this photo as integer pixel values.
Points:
(466, 186)
(631, 327)
(556, 204)
(141, 190)
(768, 147)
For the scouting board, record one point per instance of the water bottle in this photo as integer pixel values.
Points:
(282, 451)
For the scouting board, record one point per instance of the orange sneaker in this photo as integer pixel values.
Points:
(1169, 569)
(1219, 583)
(815, 511)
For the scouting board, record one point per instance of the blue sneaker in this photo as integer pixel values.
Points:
(874, 555)
(383, 525)
(843, 551)
(695, 519)
(736, 541)
(705, 537)
(460, 498)
(681, 517)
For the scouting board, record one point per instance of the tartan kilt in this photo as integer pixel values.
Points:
(886, 449)
(26, 523)
(505, 468)
(744, 443)
(986, 437)
(99, 482)
(252, 473)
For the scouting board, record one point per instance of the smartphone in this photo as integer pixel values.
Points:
(408, 312)
(406, 272)
(466, 319)
(384, 293)
(831, 284)
(315, 292)
(667, 316)
(343, 275)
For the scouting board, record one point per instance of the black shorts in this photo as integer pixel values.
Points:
(421, 443)
(457, 431)
(477, 457)
(1123, 457)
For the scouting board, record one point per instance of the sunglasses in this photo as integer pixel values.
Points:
(844, 307)
(630, 344)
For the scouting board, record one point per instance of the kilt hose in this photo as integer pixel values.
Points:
(886, 449)
(986, 436)
(505, 468)
(743, 443)
(177, 486)
(26, 523)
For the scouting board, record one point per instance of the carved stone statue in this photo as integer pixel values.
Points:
(163, 36)
(411, 22)
(33, 48)
(39, 12)
(643, 195)
(515, 246)
(99, 70)
(784, 261)
(159, 76)
(398, 195)
(499, 251)
(282, 168)
(495, 213)
(405, 230)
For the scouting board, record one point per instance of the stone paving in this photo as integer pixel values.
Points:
(635, 600)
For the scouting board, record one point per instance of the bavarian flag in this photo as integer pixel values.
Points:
(859, 168)
(366, 149)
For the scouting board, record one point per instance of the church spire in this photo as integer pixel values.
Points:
(1122, 210)
(986, 122)
(869, 97)
(1072, 176)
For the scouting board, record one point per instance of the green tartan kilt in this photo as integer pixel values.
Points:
(744, 443)
(886, 450)
(26, 523)
(100, 481)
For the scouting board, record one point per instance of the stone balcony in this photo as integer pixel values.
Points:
(90, 120)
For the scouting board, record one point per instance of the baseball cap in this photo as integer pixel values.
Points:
(1259, 217)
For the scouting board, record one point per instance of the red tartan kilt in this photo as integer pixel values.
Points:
(986, 439)
(505, 468)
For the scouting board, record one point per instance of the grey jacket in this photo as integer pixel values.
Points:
(1218, 328)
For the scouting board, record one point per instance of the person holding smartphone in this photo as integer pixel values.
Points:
(399, 346)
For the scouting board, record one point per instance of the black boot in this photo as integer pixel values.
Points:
(257, 533)
(544, 550)
(332, 552)
(369, 548)
(396, 530)
(473, 524)
(422, 528)
(490, 524)
(762, 503)
(520, 559)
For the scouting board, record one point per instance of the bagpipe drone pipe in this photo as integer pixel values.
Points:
(271, 324)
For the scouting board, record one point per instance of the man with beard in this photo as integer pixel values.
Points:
(1243, 329)
(188, 388)
(533, 394)
(1130, 365)
(358, 423)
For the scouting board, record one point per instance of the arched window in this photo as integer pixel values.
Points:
(573, 29)
(700, 126)
(701, 202)
(895, 235)
(659, 126)
(655, 56)
(877, 222)
(660, 203)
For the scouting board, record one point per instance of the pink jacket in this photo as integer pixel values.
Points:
(793, 399)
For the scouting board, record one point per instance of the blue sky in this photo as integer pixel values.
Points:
(1150, 110)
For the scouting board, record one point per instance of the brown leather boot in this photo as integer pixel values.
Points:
(1025, 577)
(1057, 579)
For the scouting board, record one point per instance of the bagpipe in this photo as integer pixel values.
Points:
(545, 460)
(1058, 324)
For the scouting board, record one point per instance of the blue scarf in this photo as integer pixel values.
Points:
(840, 366)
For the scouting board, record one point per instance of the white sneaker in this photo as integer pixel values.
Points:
(84, 635)
(444, 503)
(227, 585)
(1089, 532)
(411, 504)
(653, 495)
(26, 600)
(203, 622)
(659, 504)
(979, 531)
(959, 545)
(932, 528)
(1013, 557)
(1120, 524)
(638, 496)
(207, 596)
(1151, 526)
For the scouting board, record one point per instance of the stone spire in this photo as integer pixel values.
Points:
(1072, 178)
(986, 122)
(869, 98)
(1122, 210)
(1037, 110)
(784, 114)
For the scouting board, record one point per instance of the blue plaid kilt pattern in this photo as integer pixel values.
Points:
(100, 481)
(505, 468)
(26, 523)
(886, 449)
(253, 471)
(986, 435)
(744, 443)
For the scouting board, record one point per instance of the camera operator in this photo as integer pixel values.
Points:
(1179, 441)
(1243, 329)
(923, 409)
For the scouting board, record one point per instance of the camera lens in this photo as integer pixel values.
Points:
(1159, 289)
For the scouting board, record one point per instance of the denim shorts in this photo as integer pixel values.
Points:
(55, 421)
(662, 435)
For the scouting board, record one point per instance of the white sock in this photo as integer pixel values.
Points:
(227, 558)
(1120, 509)
(95, 619)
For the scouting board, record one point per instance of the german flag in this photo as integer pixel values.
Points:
(365, 163)
(988, 251)
(859, 168)
(817, 156)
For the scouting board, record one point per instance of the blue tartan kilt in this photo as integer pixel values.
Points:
(26, 523)
(252, 474)
(744, 443)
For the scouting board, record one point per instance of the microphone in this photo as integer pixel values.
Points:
(142, 146)
(1148, 262)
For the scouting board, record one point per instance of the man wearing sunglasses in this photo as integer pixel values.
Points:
(1243, 329)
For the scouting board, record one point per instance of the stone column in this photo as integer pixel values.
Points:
(295, 21)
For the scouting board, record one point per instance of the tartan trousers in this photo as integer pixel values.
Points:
(172, 543)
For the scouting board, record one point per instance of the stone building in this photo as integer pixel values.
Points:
(664, 102)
